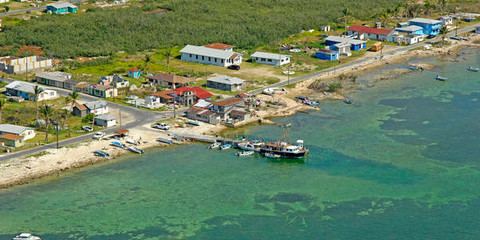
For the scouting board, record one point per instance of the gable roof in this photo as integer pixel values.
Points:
(96, 104)
(226, 80)
(209, 52)
(56, 76)
(228, 101)
(23, 86)
(199, 92)
(269, 55)
(106, 117)
(202, 104)
(81, 107)
(425, 20)
(345, 40)
(62, 5)
(14, 129)
(220, 46)
(164, 94)
(10, 136)
(200, 111)
(370, 30)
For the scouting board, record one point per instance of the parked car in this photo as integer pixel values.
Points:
(161, 126)
(234, 67)
(98, 135)
(87, 128)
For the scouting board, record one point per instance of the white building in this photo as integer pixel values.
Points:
(477, 30)
(97, 107)
(271, 58)
(25, 132)
(212, 56)
(14, 65)
(27, 91)
(446, 20)
(105, 120)
(226, 83)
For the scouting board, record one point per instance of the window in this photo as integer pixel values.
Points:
(209, 59)
(196, 56)
(190, 55)
(203, 58)
(215, 59)
(263, 59)
(222, 60)
(270, 60)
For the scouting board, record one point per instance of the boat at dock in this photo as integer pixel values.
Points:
(440, 78)
(101, 154)
(283, 148)
(348, 101)
(470, 68)
(26, 236)
(225, 146)
(117, 144)
(214, 145)
(135, 150)
(250, 146)
(245, 153)
(164, 140)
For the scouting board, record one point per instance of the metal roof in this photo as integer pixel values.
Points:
(14, 129)
(56, 76)
(209, 52)
(269, 55)
(62, 5)
(23, 86)
(344, 40)
(226, 80)
(425, 20)
(96, 104)
(411, 28)
(106, 117)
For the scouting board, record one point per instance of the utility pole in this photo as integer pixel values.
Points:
(456, 28)
(56, 126)
(120, 115)
(174, 106)
(288, 75)
(26, 69)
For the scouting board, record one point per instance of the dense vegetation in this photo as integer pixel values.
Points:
(244, 23)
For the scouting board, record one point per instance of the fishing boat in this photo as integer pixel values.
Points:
(214, 145)
(245, 153)
(101, 154)
(251, 146)
(470, 68)
(132, 141)
(348, 101)
(26, 236)
(135, 150)
(272, 155)
(283, 148)
(225, 146)
(164, 140)
(195, 123)
(117, 144)
(440, 78)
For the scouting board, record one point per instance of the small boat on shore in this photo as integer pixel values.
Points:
(245, 153)
(271, 91)
(214, 145)
(26, 236)
(101, 154)
(194, 123)
(225, 146)
(440, 78)
(164, 140)
(132, 141)
(470, 68)
(117, 144)
(135, 150)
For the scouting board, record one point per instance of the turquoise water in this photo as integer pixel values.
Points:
(401, 163)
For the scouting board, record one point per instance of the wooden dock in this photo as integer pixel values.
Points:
(205, 138)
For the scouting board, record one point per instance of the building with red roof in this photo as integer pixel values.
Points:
(362, 32)
(134, 73)
(220, 46)
(183, 96)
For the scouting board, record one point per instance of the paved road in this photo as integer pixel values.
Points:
(22, 11)
(143, 117)
(364, 61)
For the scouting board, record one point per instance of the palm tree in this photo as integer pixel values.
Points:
(443, 32)
(2, 106)
(36, 92)
(384, 18)
(47, 112)
(64, 115)
(148, 59)
(72, 98)
(345, 15)
(168, 53)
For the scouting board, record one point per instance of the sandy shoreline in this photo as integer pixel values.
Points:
(20, 171)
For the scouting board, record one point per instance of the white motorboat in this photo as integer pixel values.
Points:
(225, 146)
(470, 68)
(245, 153)
(214, 145)
(272, 155)
(26, 236)
(440, 78)
(135, 150)
(271, 91)
(132, 141)
(250, 146)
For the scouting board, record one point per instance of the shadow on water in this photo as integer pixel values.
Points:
(360, 219)
(448, 127)
(335, 163)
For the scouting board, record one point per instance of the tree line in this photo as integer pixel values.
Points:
(244, 23)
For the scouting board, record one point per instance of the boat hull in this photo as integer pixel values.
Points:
(285, 154)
